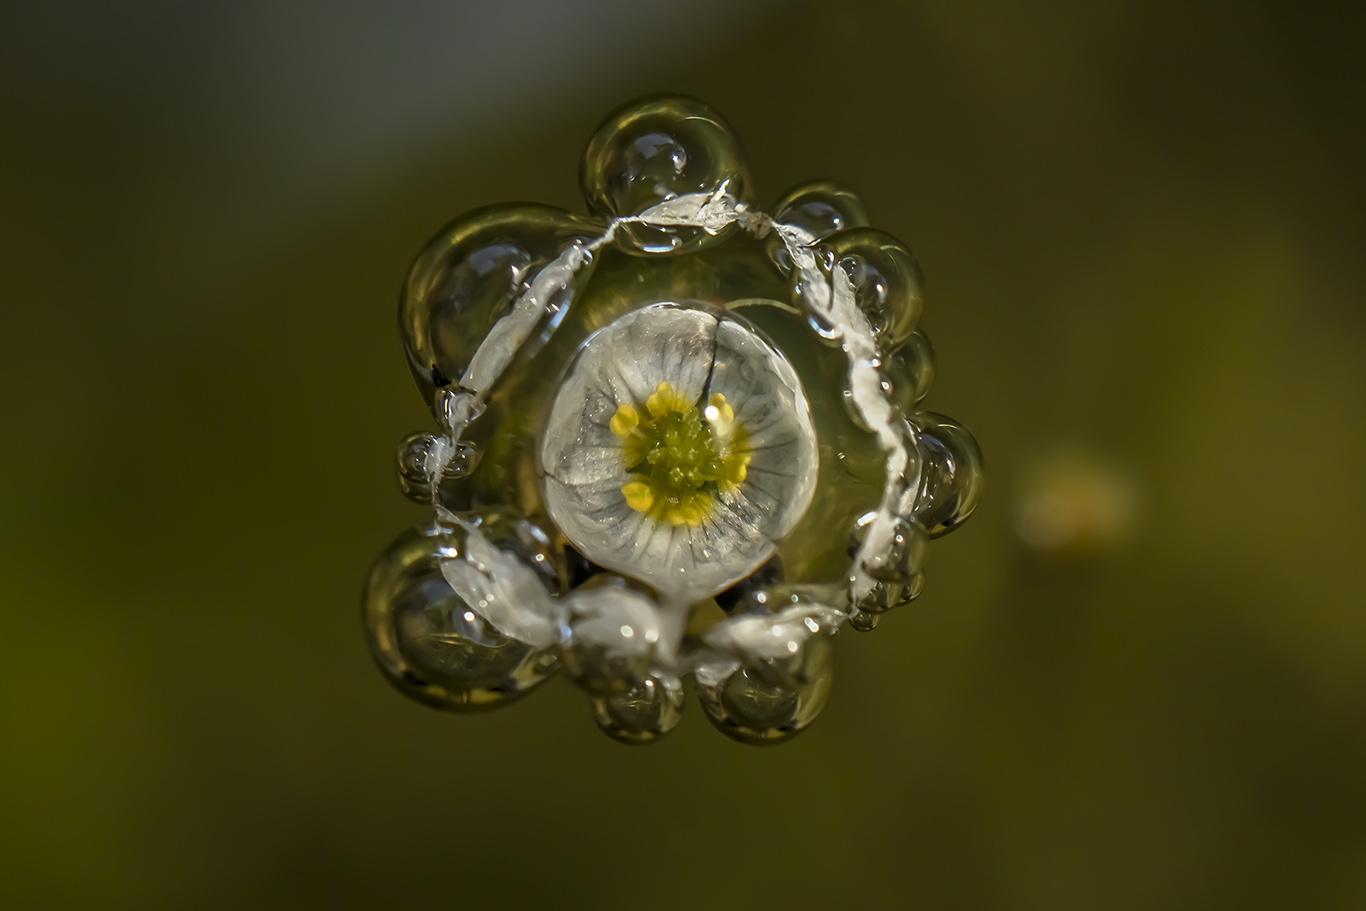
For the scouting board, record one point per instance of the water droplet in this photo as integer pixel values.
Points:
(468, 277)
(886, 278)
(821, 207)
(897, 569)
(910, 371)
(413, 459)
(905, 553)
(886, 595)
(655, 149)
(822, 327)
(748, 707)
(863, 621)
(641, 714)
(430, 643)
(951, 476)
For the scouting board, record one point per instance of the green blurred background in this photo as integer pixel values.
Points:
(1136, 679)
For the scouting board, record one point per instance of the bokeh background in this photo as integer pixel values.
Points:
(1136, 679)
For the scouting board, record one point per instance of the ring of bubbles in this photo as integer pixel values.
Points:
(677, 437)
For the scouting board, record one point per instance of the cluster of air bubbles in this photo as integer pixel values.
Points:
(632, 409)
(423, 457)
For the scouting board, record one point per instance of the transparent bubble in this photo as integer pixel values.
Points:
(910, 372)
(897, 570)
(904, 557)
(641, 714)
(821, 207)
(885, 595)
(468, 277)
(414, 454)
(951, 476)
(615, 636)
(863, 621)
(886, 278)
(429, 642)
(656, 149)
(748, 707)
(802, 655)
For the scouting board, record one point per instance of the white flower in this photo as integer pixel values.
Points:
(678, 449)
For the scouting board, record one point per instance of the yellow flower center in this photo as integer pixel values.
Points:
(680, 456)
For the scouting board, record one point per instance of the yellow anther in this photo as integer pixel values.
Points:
(680, 454)
(665, 399)
(718, 409)
(684, 515)
(638, 495)
(660, 400)
(625, 420)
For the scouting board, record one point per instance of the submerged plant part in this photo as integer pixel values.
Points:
(675, 437)
(678, 449)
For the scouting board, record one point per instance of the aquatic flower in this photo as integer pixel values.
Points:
(679, 448)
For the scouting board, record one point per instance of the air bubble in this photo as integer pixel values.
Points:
(863, 621)
(469, 276)
(904, 555)
(656, 149)
(641, 714)
(886, 278)
(886, 595)
(821, 208)
(910, 372)
(429, 643)
(951, 475)
(416, 453)
(747, 707)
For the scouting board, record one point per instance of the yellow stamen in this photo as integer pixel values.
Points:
(740, 470)
(684, 515)
(665, 399)
(638, 495)
(723, 412)
(736, 473)
(681, 455)
(625, 420)
(656, 404)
